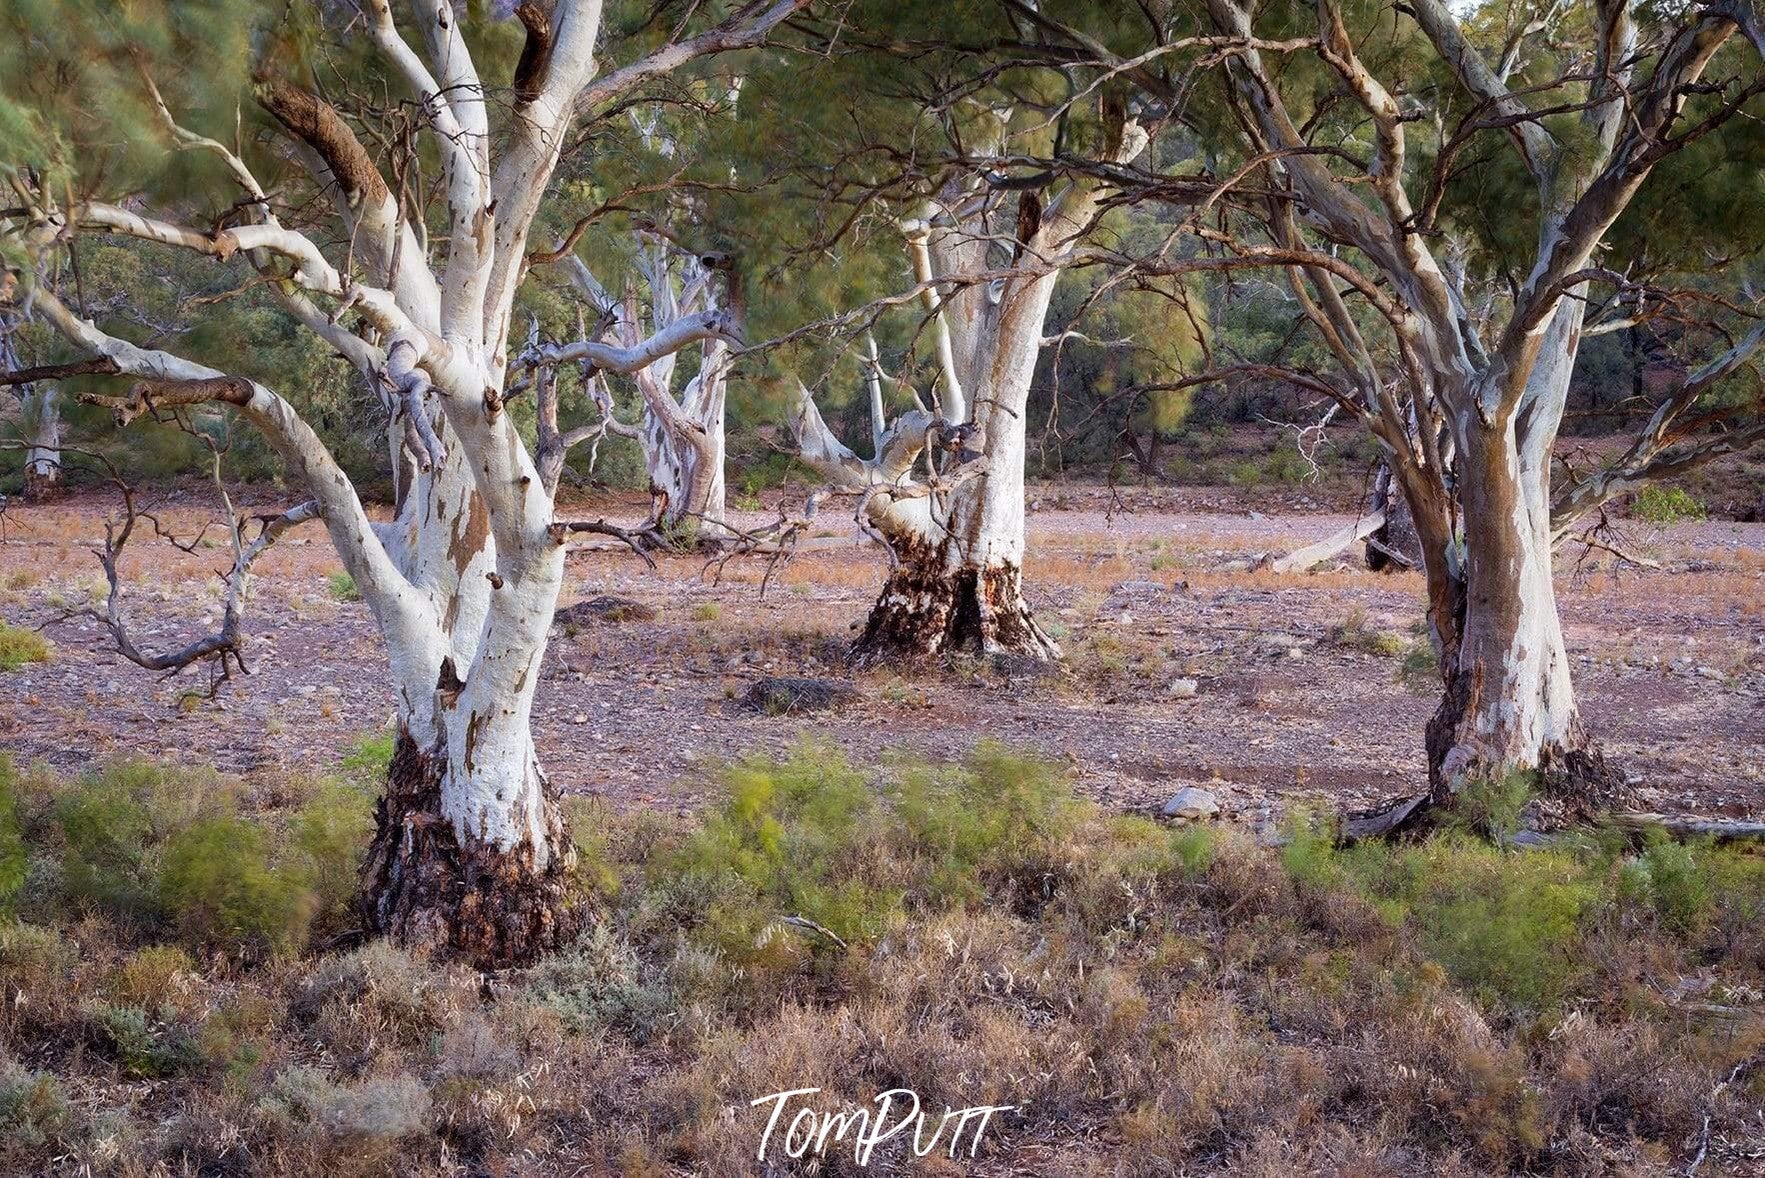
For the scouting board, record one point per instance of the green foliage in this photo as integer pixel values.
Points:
(600, 982)
(145, 1048)
(1356, 633)
(33, 1107)
(1666, 505)
(809, 837)
(369, 757)
(218, 882)
(1678, 880)
(14, 855)
(19, 646)
(1508, 926)
(159, 849)
(1495, 806)
(791, 839)
(1420, 669)
(997, 815)
(378, 1109)
(343, 587)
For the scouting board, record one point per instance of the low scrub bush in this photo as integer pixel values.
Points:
(19, 646)
(1666, 505)
(972, 930)
(158, 850)
(342, 587)
(33, 1110)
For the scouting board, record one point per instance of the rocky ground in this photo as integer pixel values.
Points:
(1186, 667)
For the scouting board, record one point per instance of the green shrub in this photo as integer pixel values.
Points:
(1678, 883)
(146, 1049)
(996, 815)
(1508, 926)
(377, 1110)
(330, 834)
(1495, 806)
(599, 982)
(1666, 505)
(219, 885)
(789, 840)
(107, 831)
(15, 861)
(1355, 633)
(1420, 669)
(707, 611)
(369, 757)
(343, 587)
(159, 848)
(33, 1107)
(19, 646)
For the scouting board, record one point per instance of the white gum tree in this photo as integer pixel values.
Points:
(1489, 375)
(986, 266)
(471, 850)
(1494, 375)
(680, 432)
(1462, 376)
(39, 418)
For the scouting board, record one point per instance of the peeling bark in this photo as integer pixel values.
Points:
(933, 605)
(428, 881)
(1509, 704)
(1395, 540)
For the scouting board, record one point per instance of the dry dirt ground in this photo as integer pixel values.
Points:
(1301, 692)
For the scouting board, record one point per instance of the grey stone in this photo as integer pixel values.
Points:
(1193, 804)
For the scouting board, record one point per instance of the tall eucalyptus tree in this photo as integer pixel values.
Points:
(374, 110)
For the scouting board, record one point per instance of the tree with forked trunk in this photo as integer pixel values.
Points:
(680, 434)
(1457, 359)
(985, 262)
(470, 851)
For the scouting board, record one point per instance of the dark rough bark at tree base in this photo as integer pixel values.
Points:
(927, 610)
(1574, 775)
(422, 887)
(42, 488)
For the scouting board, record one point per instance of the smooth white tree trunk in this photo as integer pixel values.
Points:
(42, 421)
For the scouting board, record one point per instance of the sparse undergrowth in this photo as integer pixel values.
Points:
(1153, 1000)
(19, 646)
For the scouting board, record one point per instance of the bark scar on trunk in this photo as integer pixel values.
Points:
(422, 885)
(928, 607)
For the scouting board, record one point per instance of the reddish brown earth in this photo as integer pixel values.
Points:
(1670, 663)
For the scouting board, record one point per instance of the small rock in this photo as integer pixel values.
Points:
(1182, 688)
(1193, 804)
